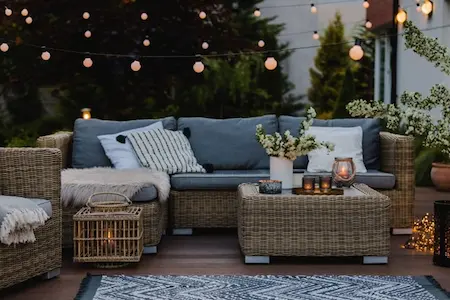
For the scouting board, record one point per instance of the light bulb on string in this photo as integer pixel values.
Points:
(29, 20)
(261, 44)
(368, 24)
(198, 66)
(87, 34)
(202, 15)
(257, 13)
(418, 8)
(144, 16)
(87, 62)
(401, 16)
(315, 35)
(4, 47)
(8, 12)
(313, 8)
(135, 66)
(271, 63)
(205, 45)
(86, 15)
(427, 7)
(366, 4)
(146, 42)
(45, 55)
(24, 12)
(356, 52)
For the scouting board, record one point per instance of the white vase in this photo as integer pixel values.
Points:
(282, 169)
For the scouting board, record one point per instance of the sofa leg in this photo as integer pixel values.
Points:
(257, 259)
(150, 249)
(375, 260)
(182, 231)
(52, 274)
(402, 231)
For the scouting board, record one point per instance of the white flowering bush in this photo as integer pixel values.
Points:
(288, 146)
(413, 113)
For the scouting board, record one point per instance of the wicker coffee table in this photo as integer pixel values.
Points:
(353, 224)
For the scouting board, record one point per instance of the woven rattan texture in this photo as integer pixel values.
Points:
(61, 141)
(203, 209)
(300, 225)
(32, 173)
(397, 157)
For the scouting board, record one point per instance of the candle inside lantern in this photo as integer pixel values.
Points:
(109, 243)
(86, 113)
(308, 183)
(325, 183)
(343, 171)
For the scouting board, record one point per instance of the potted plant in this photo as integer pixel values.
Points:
(413, 113)
(284, 148)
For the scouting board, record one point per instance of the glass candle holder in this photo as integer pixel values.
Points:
(344, 171)
(325, 183)
(309, 184)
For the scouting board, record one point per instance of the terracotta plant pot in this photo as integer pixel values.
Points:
(440, 175)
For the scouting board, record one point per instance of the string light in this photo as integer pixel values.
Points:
(313, 8)
(356, 52)
(202, 15)
(315, 35)
(29, 20)
(366, 4)
(4, 47)
(257, 13)
(422, 238)
(144, 16)
(205, 45)
(146, 42)
(24, 12)
(8, 12)
(271, 63)
(427, 7)
(198, 67)
(86, 15)
(135, 66)
(87, 62)
(261, 44)
(87, 34)
(418, 8)
(401, 16)
(45, 55)
(86, 113)
(368, 24)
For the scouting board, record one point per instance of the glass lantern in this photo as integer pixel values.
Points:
(344, 171)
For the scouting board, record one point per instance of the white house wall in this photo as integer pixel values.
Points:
(300, 19)
(415, 74)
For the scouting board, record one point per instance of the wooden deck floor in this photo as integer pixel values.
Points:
(214, 253)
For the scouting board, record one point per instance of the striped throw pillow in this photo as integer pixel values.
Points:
(165, 150)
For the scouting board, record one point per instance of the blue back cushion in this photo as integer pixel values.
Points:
(371, 137)
(87, 150)
(229, 144)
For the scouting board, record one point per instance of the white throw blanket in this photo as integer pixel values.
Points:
(79, 184)
(18, 219)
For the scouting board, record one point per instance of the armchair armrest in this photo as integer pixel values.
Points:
(60, 140)
(397, 157)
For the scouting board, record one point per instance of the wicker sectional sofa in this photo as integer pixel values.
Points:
(229, 146)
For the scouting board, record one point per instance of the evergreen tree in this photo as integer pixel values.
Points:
(346, 95)
(330, 64)
(364, 68)
(162, 86)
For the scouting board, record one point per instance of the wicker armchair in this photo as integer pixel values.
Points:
(32, 173)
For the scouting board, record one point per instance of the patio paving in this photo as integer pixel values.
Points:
(218, 253)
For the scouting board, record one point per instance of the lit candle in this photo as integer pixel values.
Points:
(308, 183)
(86, 113)
(343, 172)
(109, 243)
(325, 183)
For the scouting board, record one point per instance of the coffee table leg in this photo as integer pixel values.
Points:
(375, 260)
(257, 259)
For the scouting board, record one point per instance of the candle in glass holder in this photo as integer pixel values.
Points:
(325, 183)
(309, 184)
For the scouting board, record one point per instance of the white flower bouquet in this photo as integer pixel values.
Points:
(287, 146)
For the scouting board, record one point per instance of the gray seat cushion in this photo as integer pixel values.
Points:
(147, 194)
(373, 178)
(229, 144)
(219, 179)
(371, 137)
(46, 205)
(87, 149)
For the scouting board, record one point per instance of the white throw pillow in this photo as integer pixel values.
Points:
(119, 150)
(165, 150)
(347, 143)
